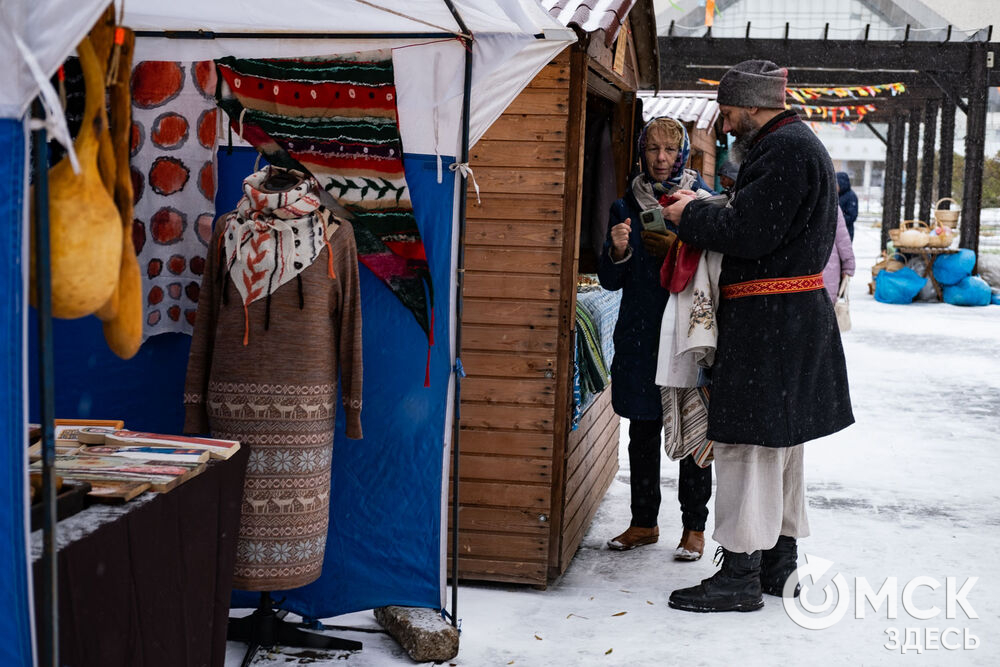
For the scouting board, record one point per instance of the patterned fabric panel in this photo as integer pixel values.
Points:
(602, 306)
(336, 119)
(173, 175)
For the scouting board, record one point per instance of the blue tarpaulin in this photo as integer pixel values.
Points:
(384, 541)
(15, 612)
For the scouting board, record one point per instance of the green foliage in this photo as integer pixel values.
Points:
(991, 180)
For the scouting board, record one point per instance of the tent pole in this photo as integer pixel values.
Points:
(49, 644)
(460, 282)
(208, 35)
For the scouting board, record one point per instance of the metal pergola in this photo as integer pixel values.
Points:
(940, 76)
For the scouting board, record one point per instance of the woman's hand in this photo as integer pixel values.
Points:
(619, 239)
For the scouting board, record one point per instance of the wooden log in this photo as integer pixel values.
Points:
(421, 631)
(505, 546)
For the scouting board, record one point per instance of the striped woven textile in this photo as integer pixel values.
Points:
(773, 286)
(335, 118)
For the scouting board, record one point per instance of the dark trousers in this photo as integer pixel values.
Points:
(694, 486)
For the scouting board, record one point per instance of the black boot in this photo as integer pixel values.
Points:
(735, 587)
(777, 564)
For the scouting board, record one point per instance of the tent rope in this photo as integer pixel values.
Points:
(465, 170)
(413, 18)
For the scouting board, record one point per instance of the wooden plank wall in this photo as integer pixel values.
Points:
(591, 464)
(510, 335)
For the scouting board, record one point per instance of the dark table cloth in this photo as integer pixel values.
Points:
(147, 583)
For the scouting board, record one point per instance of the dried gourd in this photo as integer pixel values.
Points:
(84, 226)
(123, 330)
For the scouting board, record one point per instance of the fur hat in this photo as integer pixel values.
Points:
(754, 83)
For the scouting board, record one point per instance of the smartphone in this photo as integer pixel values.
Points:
(652, 220)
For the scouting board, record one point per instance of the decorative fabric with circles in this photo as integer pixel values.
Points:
(335, 118)
(174, 128)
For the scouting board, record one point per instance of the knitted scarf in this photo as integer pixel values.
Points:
(274, 236)
(335, 119)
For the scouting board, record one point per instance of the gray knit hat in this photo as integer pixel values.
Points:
(754, 83)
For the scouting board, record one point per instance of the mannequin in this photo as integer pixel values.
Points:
(279, 318)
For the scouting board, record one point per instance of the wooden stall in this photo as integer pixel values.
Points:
(530, 484)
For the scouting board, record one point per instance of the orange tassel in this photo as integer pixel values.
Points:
(246, 326)
(329, 260)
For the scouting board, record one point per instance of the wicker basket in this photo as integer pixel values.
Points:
(946, 217)
(942, 239)
(913, 234)
(890, 264)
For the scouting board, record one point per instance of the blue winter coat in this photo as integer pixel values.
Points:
(848, 201)
(634, 394)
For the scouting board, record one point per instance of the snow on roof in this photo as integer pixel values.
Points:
(699, 108)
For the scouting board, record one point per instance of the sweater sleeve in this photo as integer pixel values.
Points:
(349, 327)
(763, 209)
(203, 340)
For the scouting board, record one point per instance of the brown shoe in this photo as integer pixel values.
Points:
(635, 536)
(691, 546)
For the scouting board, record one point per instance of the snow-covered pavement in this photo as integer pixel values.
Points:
(911, 490)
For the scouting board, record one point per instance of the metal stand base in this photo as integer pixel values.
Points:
(265, 628)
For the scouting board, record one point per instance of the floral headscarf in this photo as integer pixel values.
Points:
(682, 155)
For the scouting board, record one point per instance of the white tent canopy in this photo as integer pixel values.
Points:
(514, 39)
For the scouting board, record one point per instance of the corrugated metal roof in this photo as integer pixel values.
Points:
(686, 106)
(591, 15)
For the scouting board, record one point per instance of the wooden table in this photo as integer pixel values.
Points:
(929, 256)
(148, 582)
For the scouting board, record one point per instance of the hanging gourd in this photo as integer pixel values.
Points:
(84, 225)
(123, 330)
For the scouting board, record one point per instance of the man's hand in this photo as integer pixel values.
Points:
(674, 211)
(657, 244)
(619, 239)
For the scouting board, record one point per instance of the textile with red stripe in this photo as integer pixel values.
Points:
(335, 118)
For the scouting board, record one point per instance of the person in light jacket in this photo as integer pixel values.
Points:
(841, 262)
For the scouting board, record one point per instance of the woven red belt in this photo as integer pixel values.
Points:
(773, 286)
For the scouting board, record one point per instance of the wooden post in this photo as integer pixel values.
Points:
(975, 143)
(567, 290)
(946, 160)
(892, 183)
(927, 169)
(912, 147)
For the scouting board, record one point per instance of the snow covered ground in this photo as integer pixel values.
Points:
(911, 490)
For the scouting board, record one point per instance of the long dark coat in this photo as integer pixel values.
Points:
(634, 394)
(779, 377)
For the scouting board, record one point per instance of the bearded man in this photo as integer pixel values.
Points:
(779, 378)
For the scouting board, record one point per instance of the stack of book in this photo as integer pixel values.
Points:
(121, 464)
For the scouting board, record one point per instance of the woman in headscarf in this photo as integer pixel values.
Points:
(631, 262)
